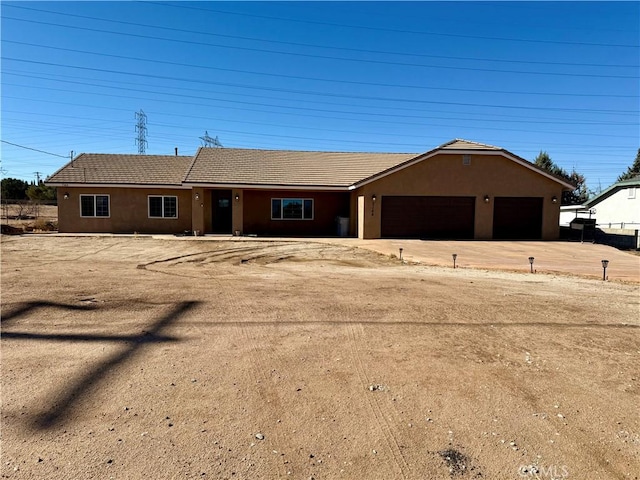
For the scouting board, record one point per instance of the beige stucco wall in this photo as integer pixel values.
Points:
(128, 211)
(445, 175)
(200, 210)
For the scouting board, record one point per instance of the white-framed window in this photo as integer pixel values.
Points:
(631, 192)
(291, 209)
(94, 206)
(163, 206)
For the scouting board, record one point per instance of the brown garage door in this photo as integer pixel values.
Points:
(428, 217)
(517, 218)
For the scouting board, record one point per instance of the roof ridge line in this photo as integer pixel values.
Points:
(480, 144)
(310, 151)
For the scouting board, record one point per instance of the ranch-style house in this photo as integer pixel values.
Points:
(459, 190)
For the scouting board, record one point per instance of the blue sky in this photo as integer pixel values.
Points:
(343, 76)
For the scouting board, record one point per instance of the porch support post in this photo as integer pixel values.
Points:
(197, 211)
(237, 199)
(361, 218)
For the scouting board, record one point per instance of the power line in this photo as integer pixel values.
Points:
(34, 149)
(328, 47)
(509, 118)
(385, 115)
(360, 120)
(365, 133)
(347, 131)
(111, 83)
(364, 27)
(191, 80)
(298, 77)
(326, 57)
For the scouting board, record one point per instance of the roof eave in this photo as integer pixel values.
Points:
(610, 191)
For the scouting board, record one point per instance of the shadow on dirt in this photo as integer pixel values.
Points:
(70, 393)
(30, 307)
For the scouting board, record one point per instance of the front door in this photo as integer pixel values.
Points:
(221, 211)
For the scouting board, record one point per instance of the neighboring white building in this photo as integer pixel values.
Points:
(617, 207)
(570, 212)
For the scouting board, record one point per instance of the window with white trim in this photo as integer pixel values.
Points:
(94, 206)
(291, 209)
(163, 206)
(631, 193)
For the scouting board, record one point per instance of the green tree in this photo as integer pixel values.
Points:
(633, 170)
(580, 194)
(41, 192)
(543, 160)
(574, 197)
(14, 189)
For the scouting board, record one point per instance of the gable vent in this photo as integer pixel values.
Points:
(466, 159)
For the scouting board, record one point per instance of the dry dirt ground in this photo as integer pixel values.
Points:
(152, 358)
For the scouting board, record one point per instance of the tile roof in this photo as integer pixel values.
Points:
(287, 167)
(461, 144)
(97, 168)
(260, 168)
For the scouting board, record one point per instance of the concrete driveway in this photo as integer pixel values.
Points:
(567, 258)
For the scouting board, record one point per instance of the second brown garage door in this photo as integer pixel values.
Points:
(517, 218)
(428, 217)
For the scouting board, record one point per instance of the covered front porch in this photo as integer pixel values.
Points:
(285, 212)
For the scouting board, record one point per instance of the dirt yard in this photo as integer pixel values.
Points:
(131, 358)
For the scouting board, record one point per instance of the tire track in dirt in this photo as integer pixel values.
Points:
(234, 255)
(253, 375)
(207, 257)
(211, 254)
(355, 333)
(257, 376)
(261, 381)
(265, 361)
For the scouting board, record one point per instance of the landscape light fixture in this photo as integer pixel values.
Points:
(454, 255)
(554, 199)
(486, 199)
(605, 264)
(400, 253)
(531, 259)
(66, 195)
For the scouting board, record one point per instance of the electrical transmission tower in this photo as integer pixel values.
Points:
(207, 141)
(141, 129)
